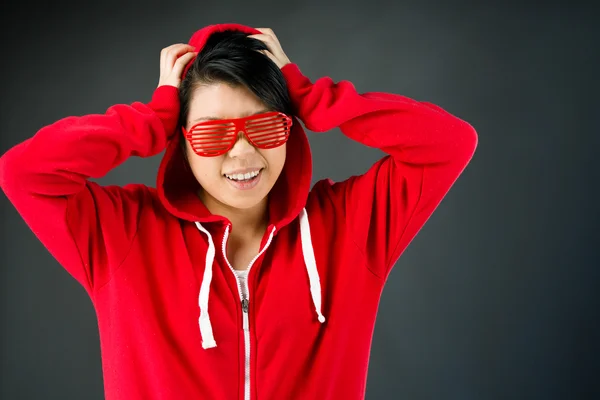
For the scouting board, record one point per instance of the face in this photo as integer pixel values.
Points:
(224, 178)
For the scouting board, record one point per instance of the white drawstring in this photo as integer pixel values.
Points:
(208, 340)
(311, 263)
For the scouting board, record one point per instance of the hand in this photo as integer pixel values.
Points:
(275, 51)
(173, 60)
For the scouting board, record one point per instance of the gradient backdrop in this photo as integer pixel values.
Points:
(496, 298)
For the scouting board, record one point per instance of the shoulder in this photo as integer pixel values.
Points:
(327, 192)
(130, 198)
(326, 200)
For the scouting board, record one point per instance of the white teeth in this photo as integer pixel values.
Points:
(243, 177)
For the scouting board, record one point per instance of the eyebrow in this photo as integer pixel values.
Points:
(209, 118)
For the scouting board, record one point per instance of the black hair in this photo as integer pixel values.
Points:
(233, 58)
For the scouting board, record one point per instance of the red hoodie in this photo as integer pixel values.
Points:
(172, 319)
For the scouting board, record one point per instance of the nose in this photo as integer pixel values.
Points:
(242, 146)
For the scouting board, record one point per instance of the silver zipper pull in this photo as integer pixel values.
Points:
(245, 322)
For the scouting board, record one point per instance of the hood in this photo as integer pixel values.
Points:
(177, 187)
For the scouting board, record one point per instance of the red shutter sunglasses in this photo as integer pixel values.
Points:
(213, 138)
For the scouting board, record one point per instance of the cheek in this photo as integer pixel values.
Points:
(276, 158)
(206, 169)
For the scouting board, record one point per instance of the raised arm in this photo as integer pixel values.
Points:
(427, 147)
(86, 227)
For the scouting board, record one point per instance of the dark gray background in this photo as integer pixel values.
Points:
(496, 298)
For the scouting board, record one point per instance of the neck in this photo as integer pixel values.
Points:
(246, 223)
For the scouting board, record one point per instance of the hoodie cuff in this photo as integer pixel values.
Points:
(298, 84)
(294, 78)
(165, 103)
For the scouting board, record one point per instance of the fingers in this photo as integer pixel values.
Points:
(268, 36)
(270, 55)
(163, 55)
(275, 52)
(268, 40)
(268, 32)
(181, 62)
(175, 47)
(173, 60)
(170, 54)
(263, 37)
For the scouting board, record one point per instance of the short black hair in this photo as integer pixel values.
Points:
(232, 57)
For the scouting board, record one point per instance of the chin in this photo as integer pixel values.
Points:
(242, 203)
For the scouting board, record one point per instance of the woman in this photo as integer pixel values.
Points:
(233, 278)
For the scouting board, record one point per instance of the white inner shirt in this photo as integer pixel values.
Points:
(242, 276)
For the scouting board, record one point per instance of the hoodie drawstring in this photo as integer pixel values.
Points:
(311, 263)
(206, 331)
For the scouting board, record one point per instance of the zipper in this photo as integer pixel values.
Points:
(245, 302)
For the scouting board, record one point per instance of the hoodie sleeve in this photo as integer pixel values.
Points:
(427, 149)
(88, 228)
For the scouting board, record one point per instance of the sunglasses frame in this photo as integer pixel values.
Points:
(240, 125)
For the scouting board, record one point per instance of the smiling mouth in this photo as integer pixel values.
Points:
(247, 177)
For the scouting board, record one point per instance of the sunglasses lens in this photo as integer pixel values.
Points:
(212, 139)
(268, 130)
